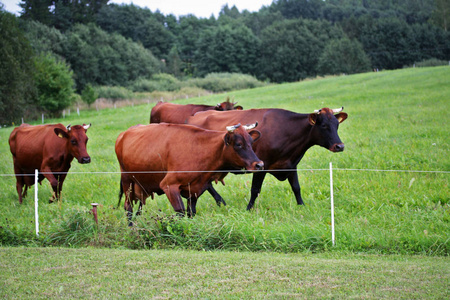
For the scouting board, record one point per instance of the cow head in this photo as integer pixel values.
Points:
(238, 144)
(227, 105)
(325, 124)
(76, 140)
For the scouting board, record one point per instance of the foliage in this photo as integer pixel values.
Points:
(441, 14)
(16, 70)
(54, 83)
(290, 49)
(45, 39)
(138, 24)
(89, 95)
(100, 58)
(61, 14)
(282, 42)
(343, 56)
(227, 48)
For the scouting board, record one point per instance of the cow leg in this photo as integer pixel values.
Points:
(60, 179)
(295, 185)
(192, 206)
(19, 187)
(257, 181)
(173, 193)
(53, 181)
(20, 182)
(216, 196)
(25, 190)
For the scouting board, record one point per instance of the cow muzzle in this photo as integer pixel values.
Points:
(84, 160)
(337, 147)
(258, 165)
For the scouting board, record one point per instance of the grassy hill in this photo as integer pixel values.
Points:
(391, 182)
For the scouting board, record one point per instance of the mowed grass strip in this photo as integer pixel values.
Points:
(43, 273)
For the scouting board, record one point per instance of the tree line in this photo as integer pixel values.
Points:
(92, 43)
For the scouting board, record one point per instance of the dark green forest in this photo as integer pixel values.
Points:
(56, 49)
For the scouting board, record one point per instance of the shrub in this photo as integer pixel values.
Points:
(158, 82)
(89, 95)
(114, 92)
(222, 82)
(432, 62)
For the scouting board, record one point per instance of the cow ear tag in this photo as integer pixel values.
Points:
(60, 135)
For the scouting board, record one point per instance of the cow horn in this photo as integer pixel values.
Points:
(250, 126)
(317, 111)
(86, 127)
(233, 127)
(68, 127)
(338, 110)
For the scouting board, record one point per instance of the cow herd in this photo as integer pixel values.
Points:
(183, 150)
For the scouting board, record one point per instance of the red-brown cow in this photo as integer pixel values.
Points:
(48, 148)
(164, 112)
(285, 137)
(180, 161)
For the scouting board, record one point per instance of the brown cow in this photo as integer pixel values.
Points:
(48, 148)
(164, 112)
(180, 161)
(285, 138)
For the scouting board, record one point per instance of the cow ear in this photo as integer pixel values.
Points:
(312, 118)
(61, 133)
(341, 117)
(255, 134)
(238, 107)
(227, 138)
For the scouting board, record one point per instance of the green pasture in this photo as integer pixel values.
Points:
(391, 184)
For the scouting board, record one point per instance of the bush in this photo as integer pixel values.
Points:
(432, 62)
(89, 95)
(114, 92)
(158, 82)
(54, 83)
(222, 82)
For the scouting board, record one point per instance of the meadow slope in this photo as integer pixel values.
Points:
(391, 182)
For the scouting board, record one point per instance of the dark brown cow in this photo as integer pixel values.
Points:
(178, 113)
(285, 137)
(180, 161)
(48, 148)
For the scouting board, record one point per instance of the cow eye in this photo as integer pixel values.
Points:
(239, 145)
(74, 142)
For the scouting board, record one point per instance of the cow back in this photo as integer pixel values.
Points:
(175, 113)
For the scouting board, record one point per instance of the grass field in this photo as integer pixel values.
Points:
(386, 200)
(49, 273)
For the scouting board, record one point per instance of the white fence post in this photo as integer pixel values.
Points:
(332, 204)
(36, 213)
